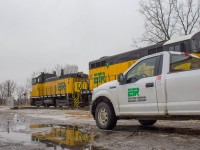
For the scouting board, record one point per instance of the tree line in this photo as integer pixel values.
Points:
(10, 89)
(67, 69)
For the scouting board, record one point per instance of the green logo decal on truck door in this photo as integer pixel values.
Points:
(133, 92)
(99, 77)
(134, 95)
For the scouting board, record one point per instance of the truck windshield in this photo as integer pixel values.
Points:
(183, 63)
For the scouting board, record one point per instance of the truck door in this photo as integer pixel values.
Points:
(138, 94)
(182, 85)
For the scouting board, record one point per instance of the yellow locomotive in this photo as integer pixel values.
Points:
(51, 90)
(107, 69)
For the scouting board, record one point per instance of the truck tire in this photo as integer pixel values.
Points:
(105, 116)
(147, 122)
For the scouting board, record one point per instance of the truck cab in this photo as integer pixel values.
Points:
(157, 87)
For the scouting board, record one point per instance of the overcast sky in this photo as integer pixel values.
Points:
(37, 34)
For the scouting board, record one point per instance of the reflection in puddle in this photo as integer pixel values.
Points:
(35, 126)
(9, 130)
(66, 136)
(15, 136)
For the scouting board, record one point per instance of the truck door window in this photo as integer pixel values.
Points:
(143, 69)
(183, 63)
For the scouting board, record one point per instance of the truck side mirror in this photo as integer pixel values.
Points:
(120, 78)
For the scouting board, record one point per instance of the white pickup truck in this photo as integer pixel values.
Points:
(162, 86)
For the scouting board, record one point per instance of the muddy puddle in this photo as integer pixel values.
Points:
(17, 130)
(65, 136)
(54, 136)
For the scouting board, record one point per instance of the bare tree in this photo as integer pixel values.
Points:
(58, 68)
(21, 92)
(2, 93)
(70, 69)
(35, 74)
(9, 87)
(28, 84)
(74, 68)
(188, 14)
(28, 88)
(159, 20)
(67, 69)
(167, 18)
(45, 70)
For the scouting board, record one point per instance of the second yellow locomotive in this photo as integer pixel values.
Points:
(51, 90)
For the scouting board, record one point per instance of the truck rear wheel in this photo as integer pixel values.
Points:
(105, 116)
(147, 122)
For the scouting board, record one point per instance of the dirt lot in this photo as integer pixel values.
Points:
(51, 129)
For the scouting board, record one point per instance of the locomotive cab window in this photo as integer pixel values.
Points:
(195, 45)
(159, 49)
(97, 64)
(92, 66)
(34, 81)
(178, 48)
(151, 51)
(103, 63)
(171, 48)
